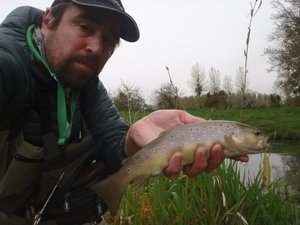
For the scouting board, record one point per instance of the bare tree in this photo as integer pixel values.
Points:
(214, 80)
(197, 82)
(241, 81)
(284, 55)
(228, 84)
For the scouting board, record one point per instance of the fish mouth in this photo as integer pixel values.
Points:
(261, 146)
(264, 145)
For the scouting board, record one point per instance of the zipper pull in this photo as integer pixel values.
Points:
(67, 202)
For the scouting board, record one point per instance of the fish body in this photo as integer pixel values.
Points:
(236, 139)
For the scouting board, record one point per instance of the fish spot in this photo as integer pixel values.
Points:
(204, 133)
(192, 137)
(128, 169)
(213, 136)
(219, 131)
(136, 163)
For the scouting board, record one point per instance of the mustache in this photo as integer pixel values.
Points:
(92, 61)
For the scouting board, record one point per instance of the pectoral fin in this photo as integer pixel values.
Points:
(231, 145)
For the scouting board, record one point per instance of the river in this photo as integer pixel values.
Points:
(285, 165)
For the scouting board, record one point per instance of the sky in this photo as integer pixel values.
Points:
(180, 33)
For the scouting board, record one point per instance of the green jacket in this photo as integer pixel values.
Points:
(20, 71)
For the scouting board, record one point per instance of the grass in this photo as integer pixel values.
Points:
(215, 198)
(220, 197)
(284, 121)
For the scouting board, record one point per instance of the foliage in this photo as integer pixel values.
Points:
(217, 100)
(222, 197)
(293, 101)
(224, 100)
(284, 55)
(166, 97)
(128, 98)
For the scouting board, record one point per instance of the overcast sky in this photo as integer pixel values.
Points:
(181, 33)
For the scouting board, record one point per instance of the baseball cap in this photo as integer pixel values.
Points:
(129, 28)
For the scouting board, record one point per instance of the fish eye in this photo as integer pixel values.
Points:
(257, 133)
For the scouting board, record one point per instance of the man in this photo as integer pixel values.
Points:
(62, 50)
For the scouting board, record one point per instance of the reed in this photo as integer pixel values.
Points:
(220, 197)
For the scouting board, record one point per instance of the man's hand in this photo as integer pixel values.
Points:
(201, 163)
(152, 126)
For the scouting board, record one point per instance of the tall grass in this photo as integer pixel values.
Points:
(221, 197)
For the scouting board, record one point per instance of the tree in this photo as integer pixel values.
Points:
(165, 97)
(214, 80)
(216, 100)
(241, 82)
(198, 79)
(284, 55)
(128, 98)
(227, 84)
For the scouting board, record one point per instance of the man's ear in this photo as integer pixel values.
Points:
(47, 19)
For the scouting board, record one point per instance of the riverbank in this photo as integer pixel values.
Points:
(282, 122)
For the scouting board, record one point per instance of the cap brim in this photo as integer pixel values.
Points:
(129, 29)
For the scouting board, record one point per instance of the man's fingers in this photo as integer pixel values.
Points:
(198, 166)
(216, 158)
(243, 158)
(174, 166)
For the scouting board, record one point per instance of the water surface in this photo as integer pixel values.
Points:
(285, 165)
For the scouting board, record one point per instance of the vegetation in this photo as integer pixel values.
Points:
(279, 122)
(224, 197)
(216, 198)
(284, 55)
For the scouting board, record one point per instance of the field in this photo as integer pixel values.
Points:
(284, 121)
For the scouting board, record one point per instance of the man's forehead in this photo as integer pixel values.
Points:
(96, 16)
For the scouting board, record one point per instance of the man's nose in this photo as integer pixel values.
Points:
(95, 45)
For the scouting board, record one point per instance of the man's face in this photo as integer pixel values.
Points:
(78, 48)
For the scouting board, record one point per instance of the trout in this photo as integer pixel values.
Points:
(236, 139)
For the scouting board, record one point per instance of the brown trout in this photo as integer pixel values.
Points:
(236, 139)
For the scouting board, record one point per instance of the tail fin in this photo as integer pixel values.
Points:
(111, 191)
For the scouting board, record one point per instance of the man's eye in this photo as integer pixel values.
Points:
(84, 28)
(108, 42)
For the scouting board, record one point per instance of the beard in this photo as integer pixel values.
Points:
(79, 77)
